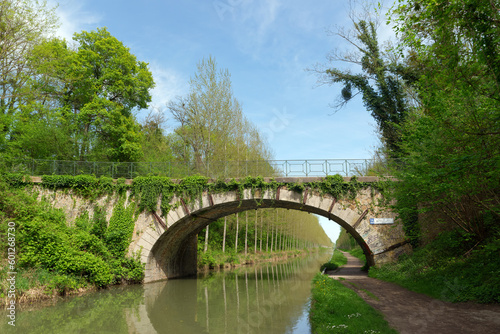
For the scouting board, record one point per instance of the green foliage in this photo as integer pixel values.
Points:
(345, 241)
(84, 185)
(120, 229)
(70, 103)
(338, 309)
(213, 128)
(99, 224)
(451, 142)
(25, 24)
(381, 83)
(148, 190)
(338, 260)
(449, 268)
(67, 257)
(15, 180)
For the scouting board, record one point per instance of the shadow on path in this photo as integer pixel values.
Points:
(413, 313)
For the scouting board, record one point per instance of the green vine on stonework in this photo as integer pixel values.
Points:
(120, 228)
(191, 188)
(88, 186)
(146, 191)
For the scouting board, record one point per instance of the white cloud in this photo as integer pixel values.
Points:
(169, 84)
(73, 17)
(253, 22)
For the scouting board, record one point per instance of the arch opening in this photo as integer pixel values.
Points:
(174, 254)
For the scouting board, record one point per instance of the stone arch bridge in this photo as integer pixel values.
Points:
(168, 245)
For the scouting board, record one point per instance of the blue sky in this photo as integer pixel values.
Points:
(266, 45)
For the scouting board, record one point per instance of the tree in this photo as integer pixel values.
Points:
(23, 25)
(451, 143)
(97, 87)
(212, 124)
(156, 145)
(382, 83)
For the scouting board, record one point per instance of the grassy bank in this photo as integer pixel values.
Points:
(338, 259)
(451, 268)
(338, 309)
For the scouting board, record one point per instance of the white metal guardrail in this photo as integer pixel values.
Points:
(220, 169)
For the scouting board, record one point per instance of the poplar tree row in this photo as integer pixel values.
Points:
(263, 230)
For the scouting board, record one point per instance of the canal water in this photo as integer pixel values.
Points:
(267, 298)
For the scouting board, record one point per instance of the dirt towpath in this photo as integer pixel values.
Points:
(413, 313)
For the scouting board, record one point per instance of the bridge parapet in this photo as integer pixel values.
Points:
(217, 169)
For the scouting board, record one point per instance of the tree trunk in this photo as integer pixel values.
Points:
(255, 236)
(236, 240)
(246, 233)
(206, 240)
(224, 236)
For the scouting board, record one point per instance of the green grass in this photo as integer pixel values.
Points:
(338, 259)
(446, 270)
(338, 309)
(358, 253)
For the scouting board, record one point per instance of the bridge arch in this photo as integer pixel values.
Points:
(170, 250)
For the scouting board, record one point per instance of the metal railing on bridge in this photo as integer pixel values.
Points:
(221, 169)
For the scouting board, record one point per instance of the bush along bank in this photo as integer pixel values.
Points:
(338, 309)
(451, 268)
(54, 258)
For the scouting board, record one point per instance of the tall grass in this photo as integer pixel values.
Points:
(449, 270)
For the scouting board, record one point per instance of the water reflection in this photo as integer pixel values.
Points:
(269, 298)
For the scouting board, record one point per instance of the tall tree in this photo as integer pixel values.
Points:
(23, 25)
(381, 83)
(97, 86)
(212, 124)
(452, 142)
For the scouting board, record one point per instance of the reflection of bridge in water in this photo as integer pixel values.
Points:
(266, 298)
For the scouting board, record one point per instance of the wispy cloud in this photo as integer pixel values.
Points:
(253, 23)
(73, 17)
(169, 84)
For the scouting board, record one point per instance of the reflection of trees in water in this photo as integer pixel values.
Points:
(246, 300)
(99, 312)
(257, 299)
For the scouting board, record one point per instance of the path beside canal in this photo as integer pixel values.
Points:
(413, 313)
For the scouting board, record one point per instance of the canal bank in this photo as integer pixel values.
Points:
(411, 312)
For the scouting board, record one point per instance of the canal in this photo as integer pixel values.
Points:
(265, 298)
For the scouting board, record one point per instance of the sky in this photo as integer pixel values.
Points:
(268, 46)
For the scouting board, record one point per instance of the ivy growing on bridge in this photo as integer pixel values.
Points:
(147, 191)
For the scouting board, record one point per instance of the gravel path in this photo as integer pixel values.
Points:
(413, 313)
